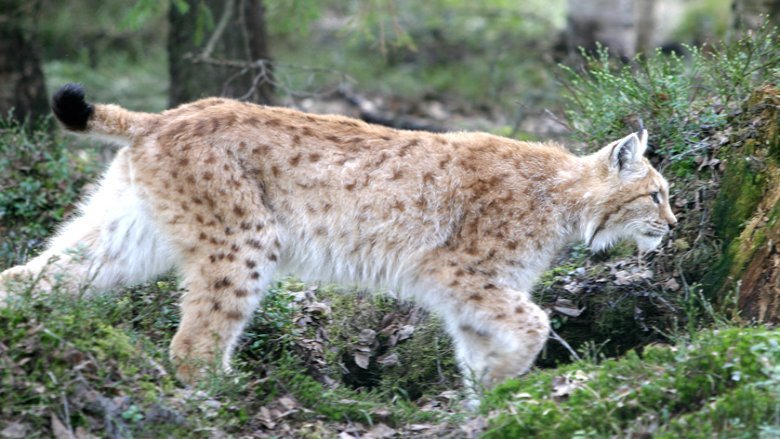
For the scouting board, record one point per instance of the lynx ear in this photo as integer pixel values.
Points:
(626, 155)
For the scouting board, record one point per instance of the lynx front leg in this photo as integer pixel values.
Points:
(497, 332)
(496, 343)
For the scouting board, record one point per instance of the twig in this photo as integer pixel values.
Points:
(265, 66)
(370, 114)
(219, 30)
(438, 360)
(554, 335)
(67, 415)
(555, 118)
(699, 146)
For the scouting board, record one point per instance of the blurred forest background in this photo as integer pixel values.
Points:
(439, 60)
(679, 343)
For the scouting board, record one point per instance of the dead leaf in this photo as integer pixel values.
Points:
(288, 402)
(681, 244)
(381, 431)
(318, 308)
(418, 427)
(389, 360)
(622, 277)
(405, 332)
(571, 312)
(266, 418)
(567, 308)
(474, 426)
(362, 359)
(564, 385)
(58, 429)
(381, 413)
(14, 430)
(82, 433)
(448, 395)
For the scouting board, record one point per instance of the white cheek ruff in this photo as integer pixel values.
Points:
(603, 239)
(647, 243)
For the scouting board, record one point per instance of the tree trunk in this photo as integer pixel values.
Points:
(613, 23)
(242, 39)
(749, 14)
(22, 87)
(746, 213)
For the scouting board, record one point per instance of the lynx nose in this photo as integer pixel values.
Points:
(672, 223)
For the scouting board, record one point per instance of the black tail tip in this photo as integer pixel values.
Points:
(71, 108)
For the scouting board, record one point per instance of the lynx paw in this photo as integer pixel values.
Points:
(189, 373)
(13, 274)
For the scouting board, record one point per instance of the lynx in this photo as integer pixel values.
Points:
(228, 193)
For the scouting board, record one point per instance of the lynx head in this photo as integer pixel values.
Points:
(634, 197)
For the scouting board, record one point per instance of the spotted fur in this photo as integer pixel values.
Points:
(230, 193)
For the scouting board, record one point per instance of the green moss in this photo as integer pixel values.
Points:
(61, 347)
(742, 188)
(746, 411)
(751, 170)
(426, 364)
(667, 383)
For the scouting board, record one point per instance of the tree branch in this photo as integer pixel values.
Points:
(219, 30)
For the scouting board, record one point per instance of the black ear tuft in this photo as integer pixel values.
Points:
(624, 155)
(624, 152)
(70, 107)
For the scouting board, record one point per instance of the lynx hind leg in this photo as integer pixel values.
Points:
(225, 277)
(497, 332)
(112, 241)
(229, 247)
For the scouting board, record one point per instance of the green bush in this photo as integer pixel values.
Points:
(41, 177)
(679, 99)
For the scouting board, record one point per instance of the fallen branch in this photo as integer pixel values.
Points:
(370, 114)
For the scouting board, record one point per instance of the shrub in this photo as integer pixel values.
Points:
(679, 99)
(40, 180)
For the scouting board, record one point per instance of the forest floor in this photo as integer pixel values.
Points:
(310, 366)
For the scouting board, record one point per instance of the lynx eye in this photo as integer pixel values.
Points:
(656, 197)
